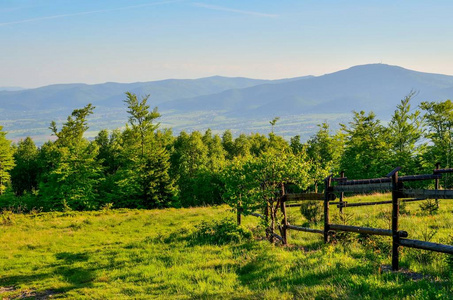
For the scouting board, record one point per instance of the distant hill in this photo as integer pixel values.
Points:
(111, 94)
(220, 103)
(374, 87)
(11, 88)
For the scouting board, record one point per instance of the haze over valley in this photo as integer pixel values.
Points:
(243, 105)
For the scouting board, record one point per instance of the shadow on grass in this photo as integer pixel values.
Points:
(313, 281)
(70, 258)
(77, 276)
(15, 280)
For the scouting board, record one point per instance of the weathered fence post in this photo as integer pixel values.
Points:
(328, 184)
(436, 183)
(341, 194)
(285, 218)
(395, 214)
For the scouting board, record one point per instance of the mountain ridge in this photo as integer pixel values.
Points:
(237, 103)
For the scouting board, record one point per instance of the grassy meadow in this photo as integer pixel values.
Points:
(199, 253)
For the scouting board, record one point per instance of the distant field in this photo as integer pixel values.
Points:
(37, 125)
(199, 253)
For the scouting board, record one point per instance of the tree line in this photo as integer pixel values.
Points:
(143, 166)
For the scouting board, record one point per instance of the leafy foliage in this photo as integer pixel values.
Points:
(256, 183)
(366, 153)
(71, 172)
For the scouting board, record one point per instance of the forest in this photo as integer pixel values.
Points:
(145, 166)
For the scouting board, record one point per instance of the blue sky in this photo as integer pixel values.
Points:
(47, 42)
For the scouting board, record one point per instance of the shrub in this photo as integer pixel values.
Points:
(312, 211)
(430, 205)
(219, 233)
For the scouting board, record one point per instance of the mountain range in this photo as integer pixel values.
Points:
(241, 104)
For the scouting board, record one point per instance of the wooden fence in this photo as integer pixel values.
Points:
(392, 182)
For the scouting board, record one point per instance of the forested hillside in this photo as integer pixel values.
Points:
(144, 166)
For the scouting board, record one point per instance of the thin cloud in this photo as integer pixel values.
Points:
(86, 13)
(238, 11)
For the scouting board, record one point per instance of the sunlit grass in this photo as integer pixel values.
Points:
(173, 253)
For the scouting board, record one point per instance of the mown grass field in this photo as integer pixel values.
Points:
(200, 253)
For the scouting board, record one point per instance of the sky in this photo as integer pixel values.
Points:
(45, 42)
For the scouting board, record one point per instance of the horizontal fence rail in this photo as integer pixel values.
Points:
(346, 204)
(362, 188)
(365, 181)
(305, 229)
(442, 171)
(426, 246)
(419, 177)
(366, 230)
(428, 194)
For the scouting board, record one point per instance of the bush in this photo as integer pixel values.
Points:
(23, 204)
(219, 233)
(312, 211)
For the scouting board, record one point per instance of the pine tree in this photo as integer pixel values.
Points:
(24, 176)
(144, 172)
(405, 131)
(6, 161)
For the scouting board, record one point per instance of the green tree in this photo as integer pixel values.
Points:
(241, 146)
(24, 176)
(438, 119)
(144, 173)
(228, 144)
(6, 161)
(110, 148)
(257, 182)
(405, 132)
(324, 150)
(71, 172)
(366, 153)
(258, 144)
(295, 144)
(191, 166)
(216, 153)
(273, 122)
(277, 142)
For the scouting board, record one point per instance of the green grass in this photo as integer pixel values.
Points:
(199, 253)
